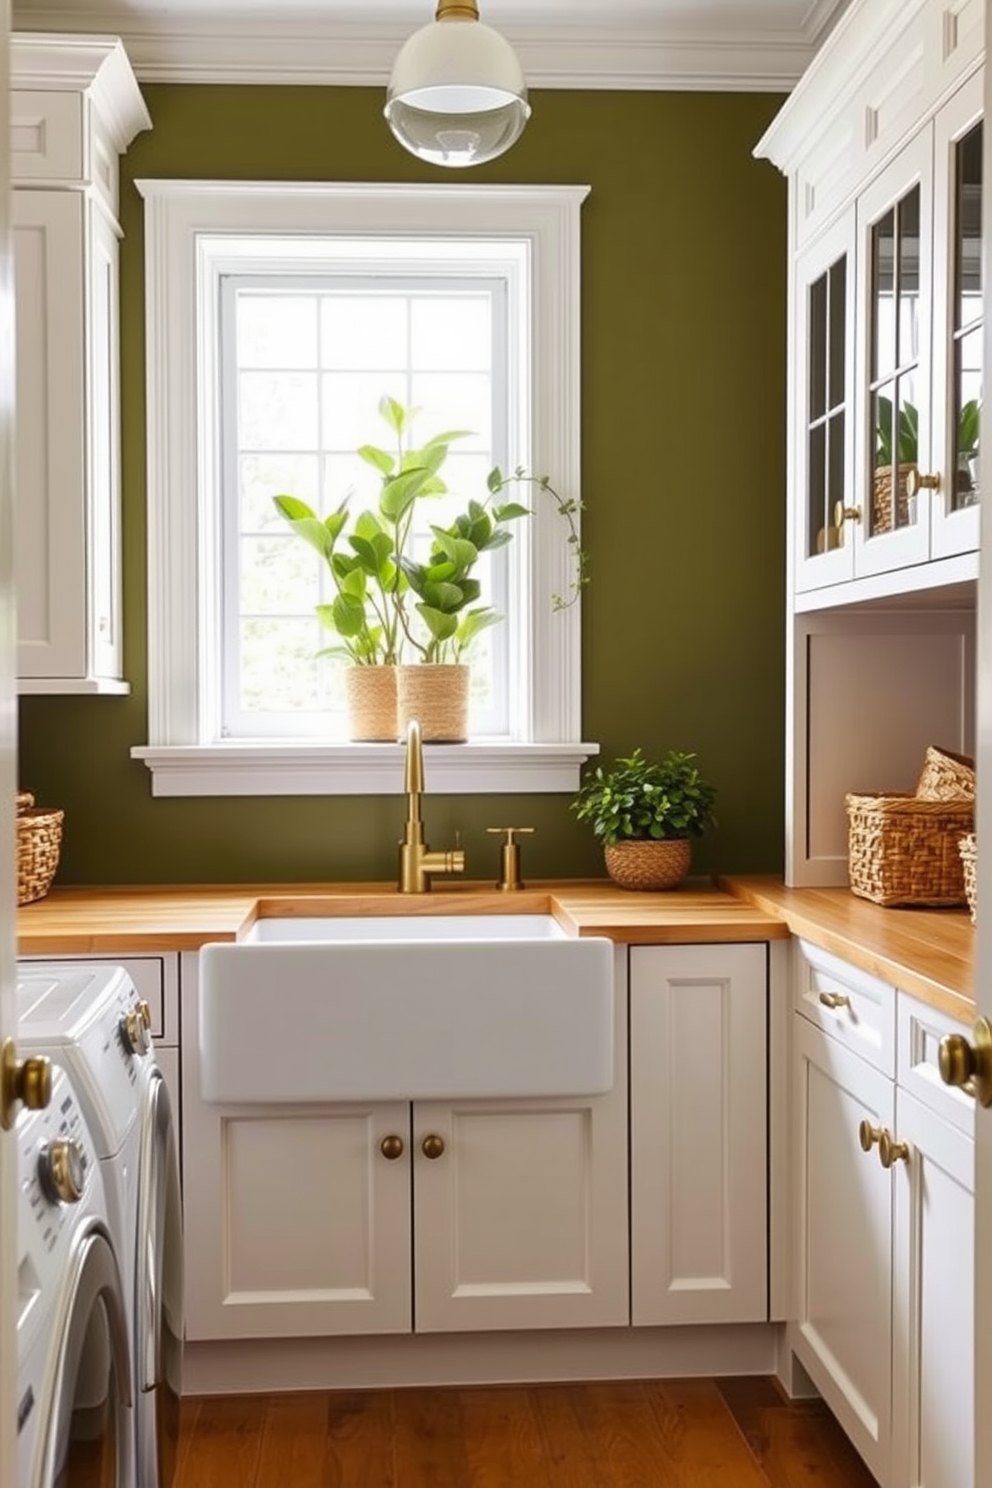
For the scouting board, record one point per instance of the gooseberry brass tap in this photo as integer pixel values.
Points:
(417, 862)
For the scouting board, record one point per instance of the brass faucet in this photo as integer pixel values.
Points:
(417, 862)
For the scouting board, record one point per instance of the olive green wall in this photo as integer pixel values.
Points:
(683, 395)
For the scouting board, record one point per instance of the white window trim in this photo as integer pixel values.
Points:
(178, 216)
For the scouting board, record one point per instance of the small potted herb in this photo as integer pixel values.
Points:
(646, 813)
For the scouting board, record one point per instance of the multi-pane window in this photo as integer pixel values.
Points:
(304, 364)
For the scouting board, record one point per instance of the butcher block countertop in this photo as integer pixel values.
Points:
(928, 953)
(87, 921)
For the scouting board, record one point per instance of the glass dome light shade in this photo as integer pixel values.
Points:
(457, 94)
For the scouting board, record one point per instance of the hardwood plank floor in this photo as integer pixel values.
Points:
(731, 1433)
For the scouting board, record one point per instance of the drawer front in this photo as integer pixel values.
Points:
(919, 1030)
(851, 1005)
(46, 136)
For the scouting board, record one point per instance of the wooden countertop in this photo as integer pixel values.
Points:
(87, 921)
(929, 953)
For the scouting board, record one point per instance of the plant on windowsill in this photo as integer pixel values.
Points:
(646, 812)
(390, 606)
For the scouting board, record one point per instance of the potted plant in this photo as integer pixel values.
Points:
(390, 609)
(646, 813)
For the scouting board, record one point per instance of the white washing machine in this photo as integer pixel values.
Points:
(89, 1019)
(73, 1348)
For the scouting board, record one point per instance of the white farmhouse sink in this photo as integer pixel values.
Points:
(406, 1008)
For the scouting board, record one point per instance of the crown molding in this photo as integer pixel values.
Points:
(261, 50)
(96, 65)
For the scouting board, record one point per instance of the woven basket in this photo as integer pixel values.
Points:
(371, 694)
(968, 848)
(902, 850)
(881, 499)
(946, 776)
(649, 865)
(39, 839)
(436, 695)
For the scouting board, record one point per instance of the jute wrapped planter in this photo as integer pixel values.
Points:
(649, 865)
(371, 694)
(436, 695)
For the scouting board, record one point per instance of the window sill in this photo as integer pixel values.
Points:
(277, 769)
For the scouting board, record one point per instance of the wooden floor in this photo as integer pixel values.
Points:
(736, 1433)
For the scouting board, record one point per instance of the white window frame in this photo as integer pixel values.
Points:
(185, 222)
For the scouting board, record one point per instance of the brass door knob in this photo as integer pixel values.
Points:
(890, 1151)
(835, 999)
(432, 1146)
(391, 1147)
(26, 1082)
(844, 514)
(868, 1135)
(969, 1066)
(916, 481)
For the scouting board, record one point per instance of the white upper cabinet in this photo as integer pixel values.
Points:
(75, 107)
(882, 144)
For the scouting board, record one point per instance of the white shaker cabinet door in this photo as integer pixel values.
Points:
(520, 1210)
(934, 1326)
(843, 1302)
(699, 1184)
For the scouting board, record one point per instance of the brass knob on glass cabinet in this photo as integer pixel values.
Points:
(868, 1135)
(432, 1146)
(391, 1147)
(23, 1082)
(969, 1066)
(916, 481)
(890, 1151)
(844, 514)
(835, 999)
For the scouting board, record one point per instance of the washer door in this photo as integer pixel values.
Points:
(159, 1297)
(85, 1440)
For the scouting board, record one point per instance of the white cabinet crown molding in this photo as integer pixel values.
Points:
(95, 65)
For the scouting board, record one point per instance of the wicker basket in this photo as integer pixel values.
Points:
(902, 850)
(946, 776)
(649, 865)
(39, 839)
(968, 848)
(882, 503)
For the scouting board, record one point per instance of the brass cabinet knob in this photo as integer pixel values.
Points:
(969, 1066)
(432, 1146)
(391, 1147)
(844, 514)
(62, 1171)
(25, 1082)
(890, 1151)
(835, 999)
(916, 481)
(868, 1135)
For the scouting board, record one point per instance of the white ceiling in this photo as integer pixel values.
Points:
(562, 43)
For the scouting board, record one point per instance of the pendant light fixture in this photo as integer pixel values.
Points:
(457, 94)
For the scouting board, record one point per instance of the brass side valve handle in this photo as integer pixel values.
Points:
(509, 856)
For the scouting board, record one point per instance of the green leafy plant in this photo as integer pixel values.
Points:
(646, 800)
(969, 427)
(377, 580)
(907, 440)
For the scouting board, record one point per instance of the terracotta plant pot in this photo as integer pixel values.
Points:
(371, 694)
(649, 865)
(436, 695)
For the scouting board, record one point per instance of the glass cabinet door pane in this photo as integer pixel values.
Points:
(967, 332)
(817, 517)
(908, 280)
(818, 348)
(883, 278)
(838, 331)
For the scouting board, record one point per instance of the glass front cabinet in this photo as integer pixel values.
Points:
(888, 304)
